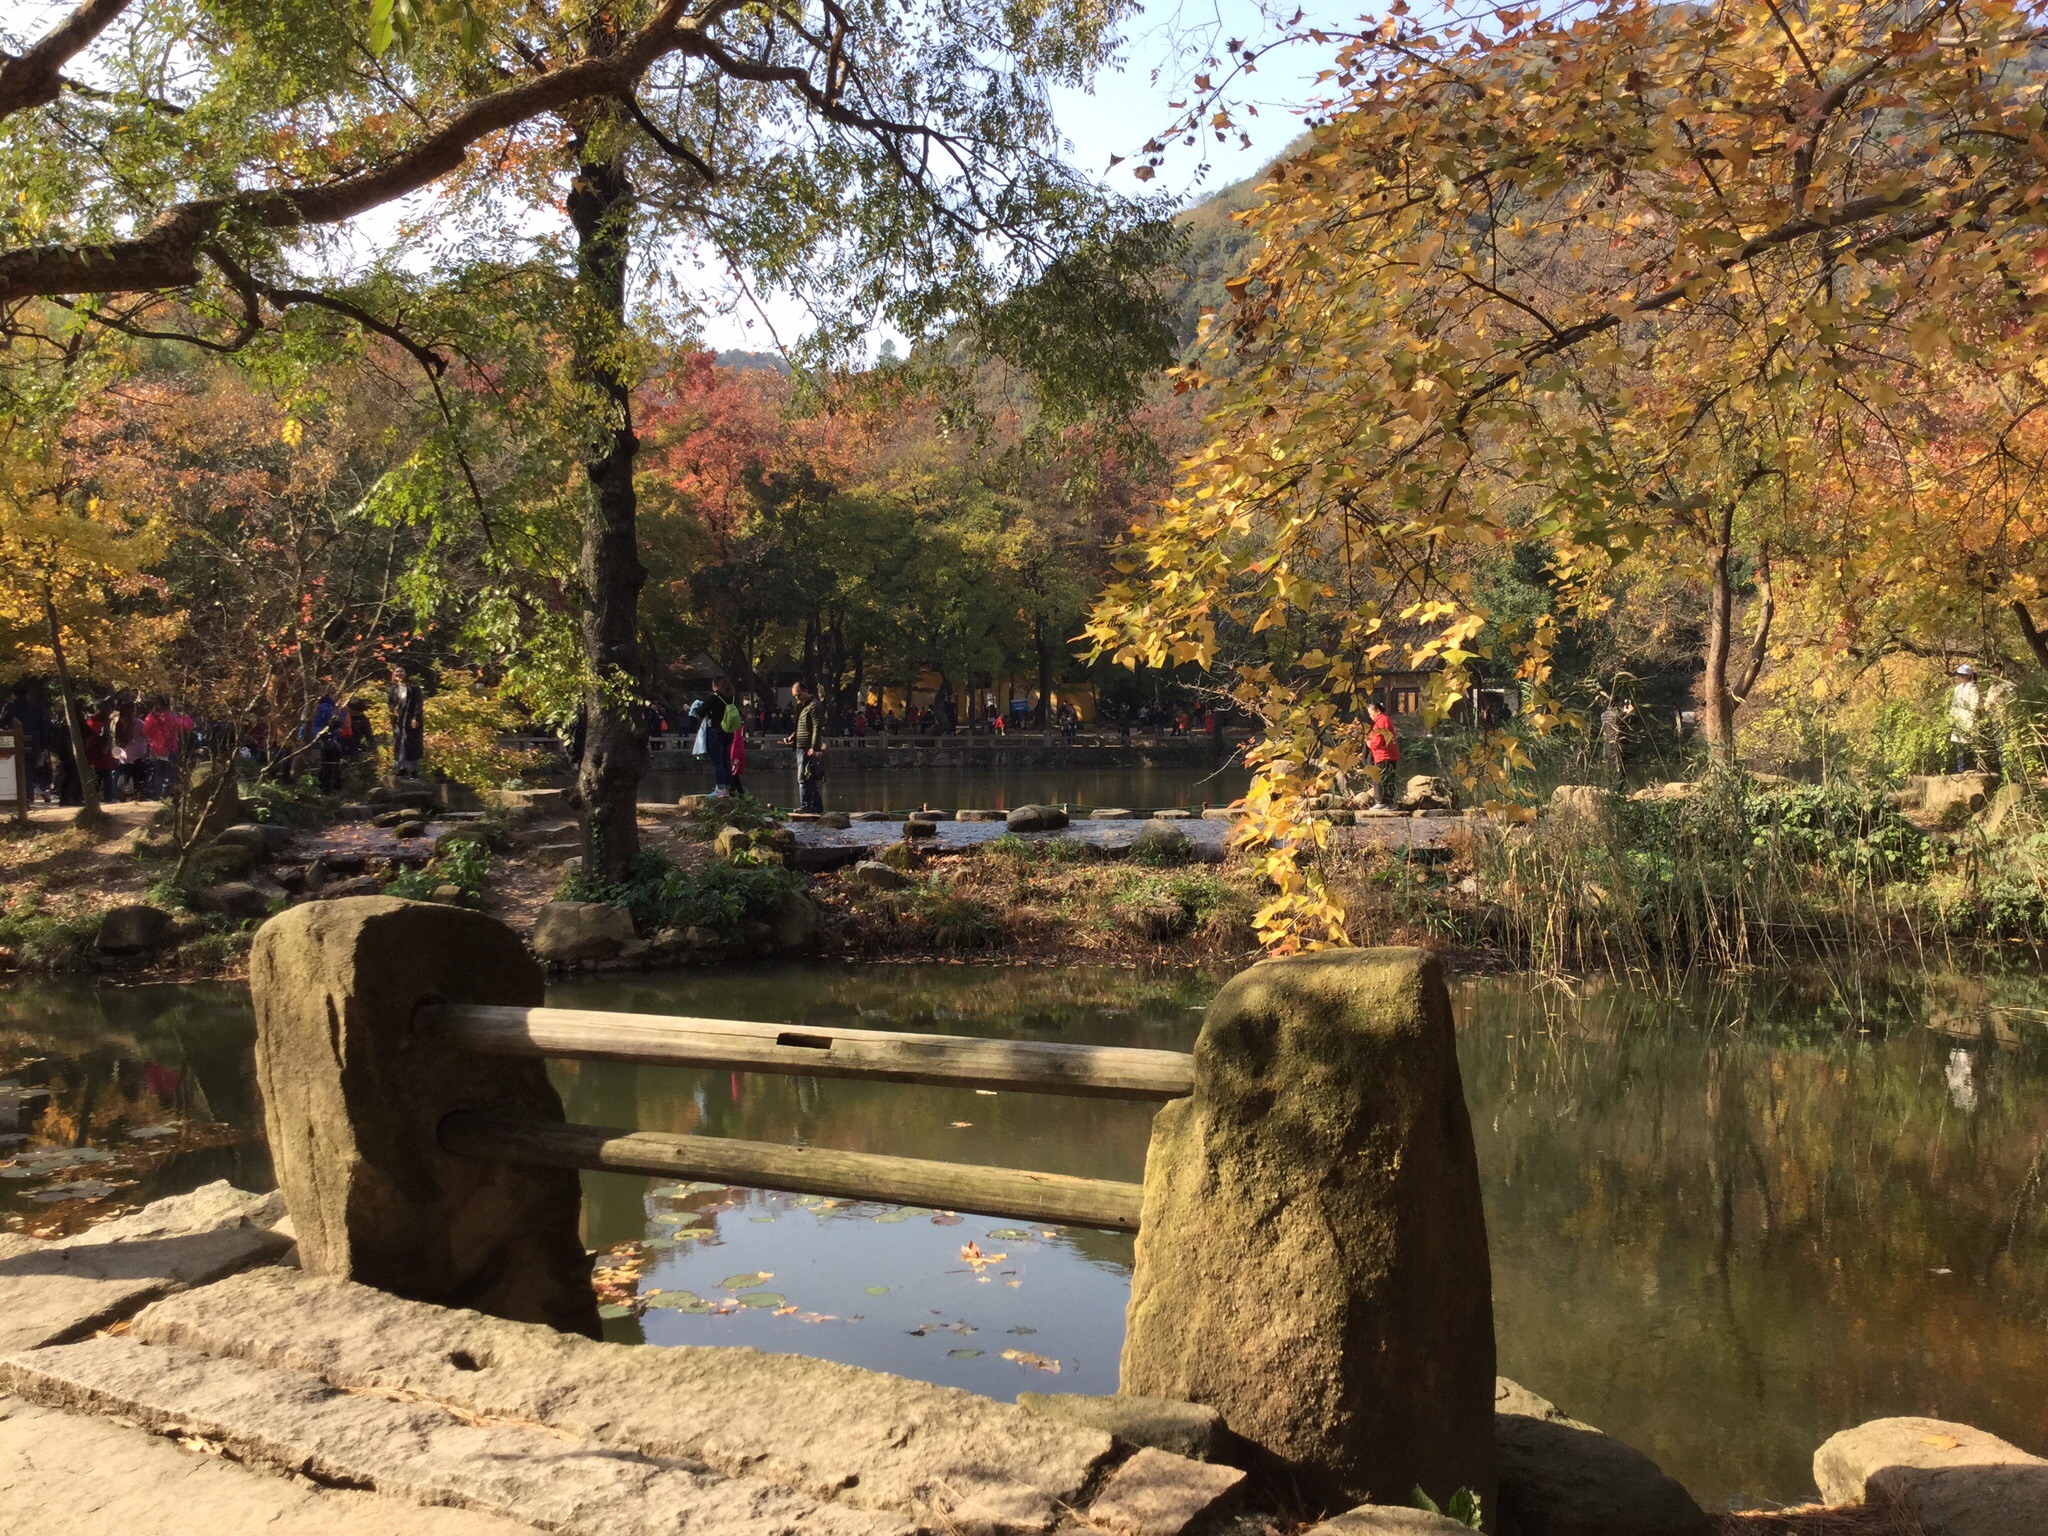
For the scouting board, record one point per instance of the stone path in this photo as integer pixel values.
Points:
(242, 1398)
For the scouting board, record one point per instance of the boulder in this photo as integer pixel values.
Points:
(731, 841)
(879, 876)
(354, 885)
(930, 815)
(1952, 798)
(238, 899)
(452, 893)
(216, 811)
(1559, 1477)
(1388, 1520)
(1426, 792)
(691, 804)
(1676, 789)
(1586, 805)
(1955, 1480)
(1326, 1158)
(415, 796)
(869, 816)
(1161, 840)
(898, 856)
(838, 821)
(264, 841)
(2010, 797)
(409, 829)
(133, 930)
(581, 930)
(823, 858)
(794, 924)
(1036, 818)
(354, 1097)
(226, 861)
(1157, 1494)
(1185, 1429)
(980, 815)
(920, 829)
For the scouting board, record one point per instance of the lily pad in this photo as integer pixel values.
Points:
(762, 1299)
(675, 1301)
(77, 1189)
(889, 1216)
(1011, 1234)
(742, 1282)
(878, 1290)
(963, 1354)
(612, 1309)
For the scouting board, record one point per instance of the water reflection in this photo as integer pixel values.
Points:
(1724, 1226)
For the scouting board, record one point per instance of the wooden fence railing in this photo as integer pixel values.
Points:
(1027, 1066)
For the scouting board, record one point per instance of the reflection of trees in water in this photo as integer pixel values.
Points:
(1778, 1208)
(117, 1058)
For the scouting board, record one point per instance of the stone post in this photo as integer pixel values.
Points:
(352, 1097)
(1312, 1260)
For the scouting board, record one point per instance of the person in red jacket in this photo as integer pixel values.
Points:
(1384, 742)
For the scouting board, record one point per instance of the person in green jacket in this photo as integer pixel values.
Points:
(809, 740)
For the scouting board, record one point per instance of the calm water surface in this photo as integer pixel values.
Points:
(1723, 1227)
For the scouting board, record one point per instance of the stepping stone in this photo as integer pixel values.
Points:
(980, 815)
(869, 816)
(1113, 814)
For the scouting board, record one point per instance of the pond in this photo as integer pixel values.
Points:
(1723, 1226)
(1004, 788)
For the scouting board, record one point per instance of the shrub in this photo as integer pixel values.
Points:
(720, 899)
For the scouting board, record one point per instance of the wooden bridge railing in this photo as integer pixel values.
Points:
(1028, 1066)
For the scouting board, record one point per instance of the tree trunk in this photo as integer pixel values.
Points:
(1717, 704)
(1044, 674)
(89, 813)
(614, 751)
(2036, 641)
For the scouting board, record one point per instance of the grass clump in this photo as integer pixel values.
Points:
(463, 862)
(721, 900)
(708, 819)
(45, 941)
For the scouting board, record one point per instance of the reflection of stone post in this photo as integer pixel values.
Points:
(1312, 1256)
(352, 1097)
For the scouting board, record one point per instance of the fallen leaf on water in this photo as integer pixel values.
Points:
(784, 1311)
(961, 1125)
(1020, 1328)
(1013, 1284)
(986, 1093)
(1036, 1362)
(971, 1252)
(963, 1354)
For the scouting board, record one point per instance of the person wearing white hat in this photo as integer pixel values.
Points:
(1965, 703)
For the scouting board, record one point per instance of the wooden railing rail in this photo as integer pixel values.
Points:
(1025, 1066)
(1011, 1192)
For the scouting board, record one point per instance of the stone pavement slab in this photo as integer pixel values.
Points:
(420, 1451)
(63, 1474)
(1157, 1494)
(51, 1292)
(831, 1431)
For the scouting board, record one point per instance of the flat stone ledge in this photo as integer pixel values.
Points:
(1194, 1430)
(89, 1477)
(827, 1430)
(53, 1292)
(415, 1450)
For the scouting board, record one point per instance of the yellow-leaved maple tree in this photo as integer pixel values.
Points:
(1628, 280)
